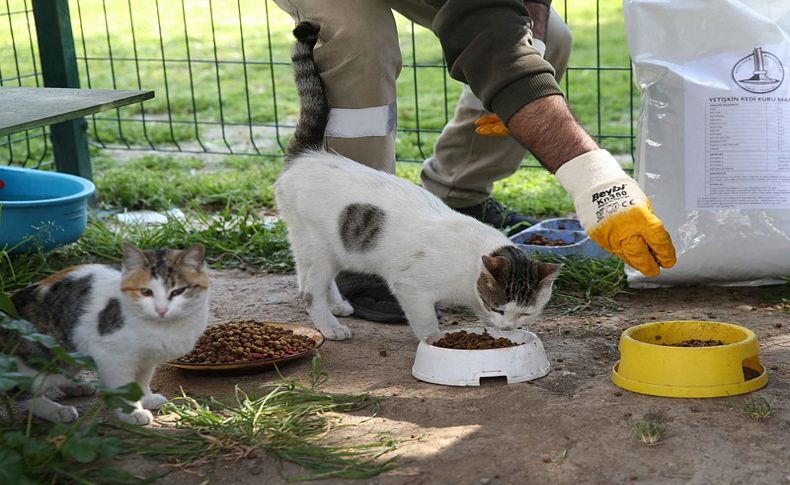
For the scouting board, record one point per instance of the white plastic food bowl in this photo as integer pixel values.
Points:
(453, 367)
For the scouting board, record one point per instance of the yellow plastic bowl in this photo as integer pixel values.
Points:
(648, 367)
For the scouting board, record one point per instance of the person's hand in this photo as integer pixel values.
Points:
(616, 213)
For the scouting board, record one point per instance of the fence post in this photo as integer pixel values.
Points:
(59, 70)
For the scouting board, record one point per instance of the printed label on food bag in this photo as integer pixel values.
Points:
(737, 108)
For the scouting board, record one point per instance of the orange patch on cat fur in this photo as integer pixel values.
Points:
(133, 281)
(186, 272)
(54, 278)
(194, 277)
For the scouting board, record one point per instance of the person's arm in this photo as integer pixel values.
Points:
(488, 45)
(611, 206)
(548, 129)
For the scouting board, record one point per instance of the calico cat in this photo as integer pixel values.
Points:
(129, 321)
(342, 215)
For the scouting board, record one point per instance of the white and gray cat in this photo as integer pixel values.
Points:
(128, 321)
(342, 215)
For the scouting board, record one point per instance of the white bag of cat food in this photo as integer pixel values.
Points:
(714, 137)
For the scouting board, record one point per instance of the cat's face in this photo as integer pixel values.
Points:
(163, 284)
(514, 288)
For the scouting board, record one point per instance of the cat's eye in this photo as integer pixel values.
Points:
(501, 312)
(146, 292)
(177, 292)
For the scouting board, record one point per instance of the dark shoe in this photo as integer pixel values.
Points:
(495, 214)
(370, 297)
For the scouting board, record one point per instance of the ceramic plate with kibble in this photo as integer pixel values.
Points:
(249, 346)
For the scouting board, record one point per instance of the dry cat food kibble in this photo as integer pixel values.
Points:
(463, 340)
(245, 341)
(696, 343)
(540, 240)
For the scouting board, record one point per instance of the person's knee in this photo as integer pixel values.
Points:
(359, 47)
(558, 45)
(559, 38)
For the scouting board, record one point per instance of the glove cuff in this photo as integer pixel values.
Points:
(589, 170)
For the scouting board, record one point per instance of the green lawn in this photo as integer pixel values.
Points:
(130, 45)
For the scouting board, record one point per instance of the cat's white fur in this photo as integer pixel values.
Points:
(130, 354)
(427, 252)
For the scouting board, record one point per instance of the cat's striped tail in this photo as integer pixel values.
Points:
(314, 111)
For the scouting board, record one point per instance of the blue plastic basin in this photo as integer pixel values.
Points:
(570, 231)
(41, 209)
(561, 224)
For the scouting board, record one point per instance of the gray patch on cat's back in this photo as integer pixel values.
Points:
(64, 305)
(360, 226)
(54, 311)
(111, 318)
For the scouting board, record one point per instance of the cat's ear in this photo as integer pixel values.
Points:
(193, 257)
(548, 272)
(133, 258)
(496, 266)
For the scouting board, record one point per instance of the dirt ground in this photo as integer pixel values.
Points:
(572, 426)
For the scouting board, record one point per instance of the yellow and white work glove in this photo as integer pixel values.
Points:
(616, 213)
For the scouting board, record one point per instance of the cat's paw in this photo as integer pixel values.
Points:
(79, 389)
(63, 414)
(342, 309)
(140, 417)
(340, 332)
(154, 401)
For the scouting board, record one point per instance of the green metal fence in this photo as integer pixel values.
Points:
(222, 76)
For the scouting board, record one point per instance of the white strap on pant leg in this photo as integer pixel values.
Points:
(356, 123)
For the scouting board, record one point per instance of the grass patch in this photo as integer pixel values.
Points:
(296, 423)
(232, 240)
(159, 183)
(757, 408)
(532, 191)
(587, 284)
(648, 431)
(292, 422)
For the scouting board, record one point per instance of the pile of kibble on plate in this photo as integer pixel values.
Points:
(245, 341)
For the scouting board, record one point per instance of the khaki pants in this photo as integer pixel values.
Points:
(359, 59)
